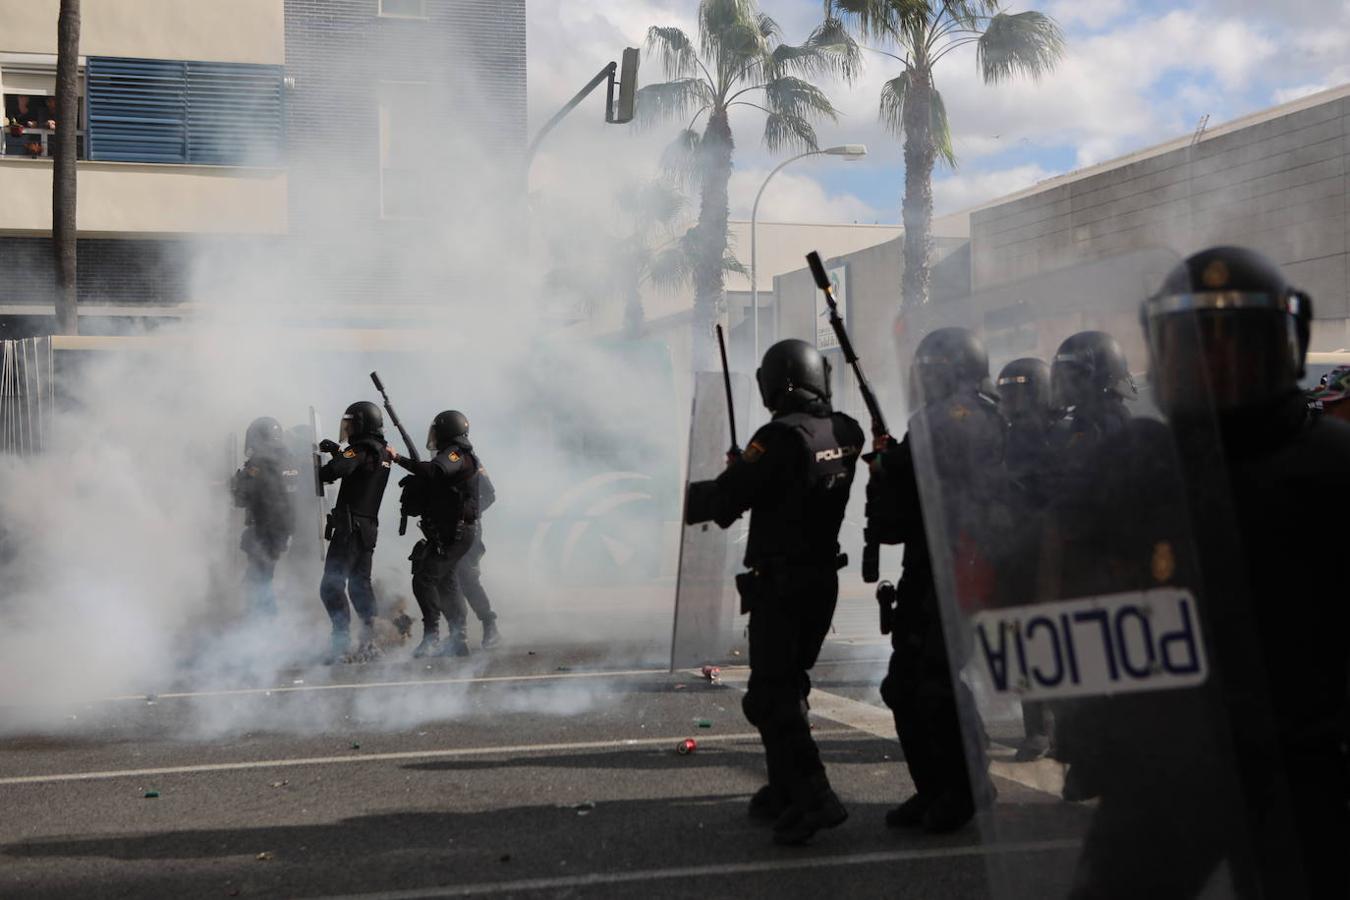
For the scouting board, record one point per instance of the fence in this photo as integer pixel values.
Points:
(27, 395)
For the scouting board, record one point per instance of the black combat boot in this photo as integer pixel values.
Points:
(430, 644)
(454, 645)
(908, 814)
(338, 645)
(491, 636)
(814, 806)
(768, 803)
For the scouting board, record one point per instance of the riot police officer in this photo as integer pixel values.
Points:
(353, 525)
(444, 493)
(958, 430)
(1228, 337)
(265, 488)
(470, 572)
(1090, 381)
(794, 478)
(1025, 401)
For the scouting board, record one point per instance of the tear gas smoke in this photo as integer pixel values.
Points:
(119, 546)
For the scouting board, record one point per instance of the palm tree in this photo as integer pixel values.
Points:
(739, 60)
(63, 166)
(921, 33)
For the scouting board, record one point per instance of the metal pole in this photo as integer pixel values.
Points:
(754, 272)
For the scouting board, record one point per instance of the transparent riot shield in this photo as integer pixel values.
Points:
(705, 596)
(1098, 584)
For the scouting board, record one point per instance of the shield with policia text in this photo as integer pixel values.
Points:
(1101, 639)
(705, 596)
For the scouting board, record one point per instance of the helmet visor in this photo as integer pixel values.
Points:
(1020, 396)
(1222, 359)
(432, 444)
(345, 433)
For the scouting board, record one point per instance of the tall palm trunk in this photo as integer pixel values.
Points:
(711, 242)
(917, 208)
(64, 227)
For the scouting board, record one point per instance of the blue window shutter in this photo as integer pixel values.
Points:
(234, 114)
(171, 111)
(136, 110)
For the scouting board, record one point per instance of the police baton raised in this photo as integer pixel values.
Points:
(726, 383)
(871, 558)
(393, 417)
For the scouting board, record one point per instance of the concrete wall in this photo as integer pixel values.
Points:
(1278, 185)
(140, 199)
(246, 31)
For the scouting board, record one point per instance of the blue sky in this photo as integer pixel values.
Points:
(1134, 74)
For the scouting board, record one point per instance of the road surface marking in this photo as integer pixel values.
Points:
(416, 682)
(357, 757)
(597, 879)
(1045, 775)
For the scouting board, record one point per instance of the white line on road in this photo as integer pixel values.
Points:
(416, 682)
(1045, 775)
(778, 865)
(387, 757)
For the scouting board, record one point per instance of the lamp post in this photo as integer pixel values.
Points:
(849, 152)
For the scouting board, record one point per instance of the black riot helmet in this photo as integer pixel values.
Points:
(265, 434)
(948, 360)
(449, 427)
(792, 376)
(362, 419)
(1089, 367)
(1226, 332)
(1024, 389)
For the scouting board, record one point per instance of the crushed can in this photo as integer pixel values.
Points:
(686, 746)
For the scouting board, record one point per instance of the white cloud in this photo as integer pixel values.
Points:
(1089, 13)
(797, 197)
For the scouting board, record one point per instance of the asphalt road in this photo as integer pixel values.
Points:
(530, 772)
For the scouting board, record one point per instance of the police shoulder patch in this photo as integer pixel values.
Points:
(454, 457)
(959, 411)
(350, 454)
(753, 452)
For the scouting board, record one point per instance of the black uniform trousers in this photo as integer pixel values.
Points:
(469, 585)
(260, 565)
(471, 580)
(935, 716)
(346, 572)
(788, 624)
(435, 581)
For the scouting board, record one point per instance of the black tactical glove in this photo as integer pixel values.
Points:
(326, 446)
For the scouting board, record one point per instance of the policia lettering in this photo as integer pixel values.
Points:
(353, 525)
(794, 478)
(444, 493)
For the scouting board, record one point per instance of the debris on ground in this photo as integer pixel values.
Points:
(355, 746)
(505, 857)
(564, 668)
(584, 807)
(264, 856)
(686, 746)
(280, 784)
(404, 623)
(679, 687)
(151, 795)
(713, 674)
(703, 723)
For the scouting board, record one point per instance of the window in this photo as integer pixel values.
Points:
(406, 149)
(170, 111)
(30, 115)
(403, 9)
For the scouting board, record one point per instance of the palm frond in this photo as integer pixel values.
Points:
(788, 132)
(672, 266)
(794, 97)
(676, 51)
(666, 100)
(731, 264)
(1028, 43)
(893, 96)
(769, 30)
(681, 161)
(886, 21)
(828, 51)
(729, 32)
(940, 130)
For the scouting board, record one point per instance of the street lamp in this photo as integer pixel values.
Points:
(849, 152)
